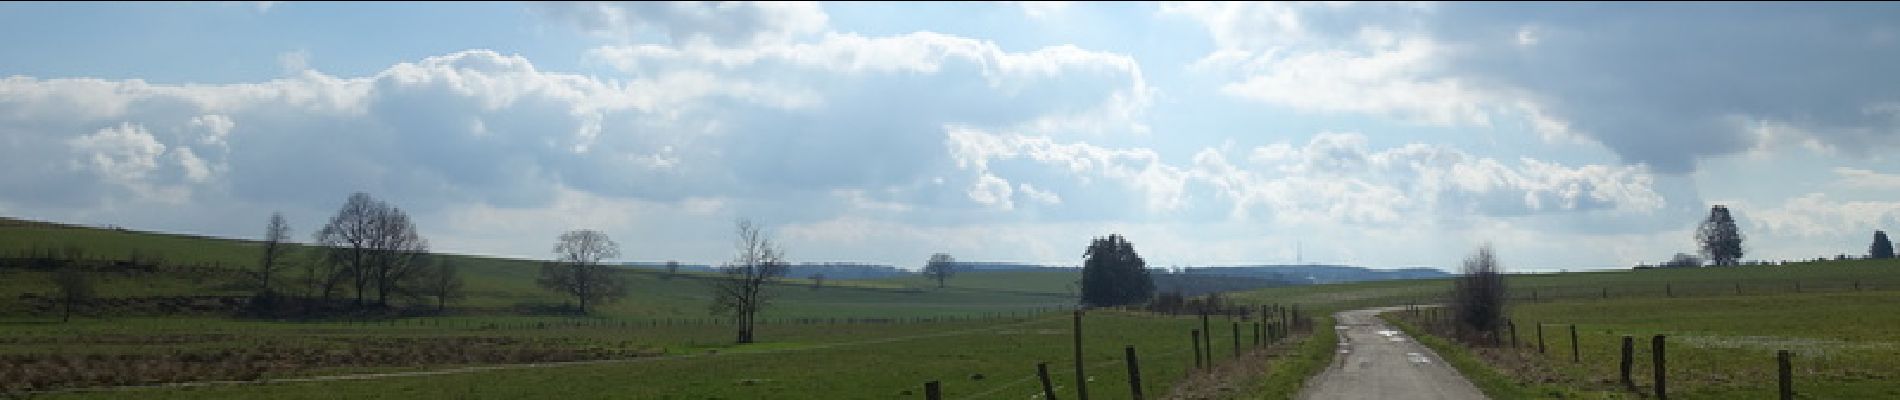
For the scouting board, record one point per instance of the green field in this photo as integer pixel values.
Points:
(1839, 322)
(981, 336)
(1055, 283)
(975, 359)
(1795, 278)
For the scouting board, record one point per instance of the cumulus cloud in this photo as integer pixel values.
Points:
(736, 115)
(1671, 84)
(1819, 215)
(1334, 177)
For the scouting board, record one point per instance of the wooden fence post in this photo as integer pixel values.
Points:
(1134, 372)
(1797, 286)
(1081, 378)
(1669, 290)
(1738, 288)
(1513, 324)
(1785, 373)
(1629, 359)
(1236, 339)
(1540, 338)
(1574, 355)
(1197, 348)
(1205, 330)
(1048, 390)
(1606, 293)
(1662, 375)
(933, 390)
(1256, 334)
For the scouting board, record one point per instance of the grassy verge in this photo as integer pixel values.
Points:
(1314, 353)
(1719, 347)
(1495, 383)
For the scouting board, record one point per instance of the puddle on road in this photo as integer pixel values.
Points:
(1392, 335)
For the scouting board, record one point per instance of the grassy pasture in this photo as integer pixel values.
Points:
(986, 359)
(1845, 345)
(1841, 320)
(1804, 277)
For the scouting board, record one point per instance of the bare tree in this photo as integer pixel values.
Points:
(940, 267)
(345, 241)
(1478, 295)
(370, 244)
(397, 250)
(275, 235)
(740, 293)
(443, 281)
(73, 287)
(577, 271)
(672, 269)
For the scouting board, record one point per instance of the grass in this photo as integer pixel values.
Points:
(1805, 277)
(1004, 356)
(1312, 355)
(1054, 283)
(1494, 382)
(1719, 347)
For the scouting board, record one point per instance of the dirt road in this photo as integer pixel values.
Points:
(1379, 362)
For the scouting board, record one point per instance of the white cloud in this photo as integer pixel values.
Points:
(1383, 78)
(1651, 90)
(1042, 9)
(1038, 195)
(737, 23)
(124, 153)
(992, 192)
(1817, 215)
(1861, 178)
(1333, 178)
(703, 127)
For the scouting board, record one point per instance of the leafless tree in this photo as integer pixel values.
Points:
(672, 269)
(443, 281)
(740, 293)
(345, 241)
(73, 287)
(1478, 295)
(397, 251)
(371, 245)
(940, 267)
(577, 271)
(275, 235)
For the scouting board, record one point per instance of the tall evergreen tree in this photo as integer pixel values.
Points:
(1881, 247)
(1721, 241)
(1114, 274)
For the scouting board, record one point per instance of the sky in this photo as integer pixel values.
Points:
(1567, 135)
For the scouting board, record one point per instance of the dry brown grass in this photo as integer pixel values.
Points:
(41, 371)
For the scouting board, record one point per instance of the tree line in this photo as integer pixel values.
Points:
(370, 257)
